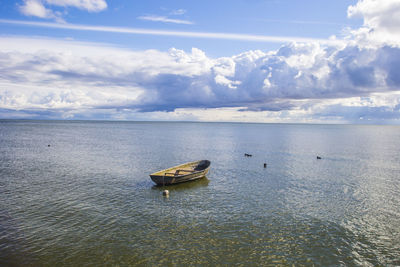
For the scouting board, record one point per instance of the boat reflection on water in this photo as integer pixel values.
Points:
(202, 182)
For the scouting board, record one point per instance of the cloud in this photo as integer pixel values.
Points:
(300, 80)
(309, 81)
(36, 8)
(167, 19)
(178, 12)
(301, 22)
(164, 19)
(186, 34)
(41, 8)
(381, 21)
(88, 5)
(378, 15)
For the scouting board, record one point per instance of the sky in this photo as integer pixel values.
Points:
(273, 61)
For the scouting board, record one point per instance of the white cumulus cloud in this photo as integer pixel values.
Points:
(381, 20)
(306, 80)
(89, 5)
(43, 8)
(37, 9)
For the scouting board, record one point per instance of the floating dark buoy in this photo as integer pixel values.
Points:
(165, 193)
(48, 145)
(265, 165)
(318, 157)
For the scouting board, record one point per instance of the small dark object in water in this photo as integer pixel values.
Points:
(265, 165)
(48, 145)
(318, 157)
(247, 155)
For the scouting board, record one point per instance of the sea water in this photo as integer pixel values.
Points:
(78, 193)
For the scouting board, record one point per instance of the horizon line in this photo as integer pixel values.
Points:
(344, 123)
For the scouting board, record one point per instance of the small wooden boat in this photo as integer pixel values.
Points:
(181, 173)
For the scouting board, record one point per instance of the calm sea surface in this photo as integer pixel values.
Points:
(87, 199)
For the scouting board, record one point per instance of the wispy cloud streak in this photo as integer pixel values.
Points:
(188, 34)
(164, 19)
(303, 22)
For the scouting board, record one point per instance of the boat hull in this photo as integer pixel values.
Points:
(181, 173)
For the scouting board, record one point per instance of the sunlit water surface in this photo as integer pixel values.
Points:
(87, 199)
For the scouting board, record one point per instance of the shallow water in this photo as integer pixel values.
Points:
(87, 199)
